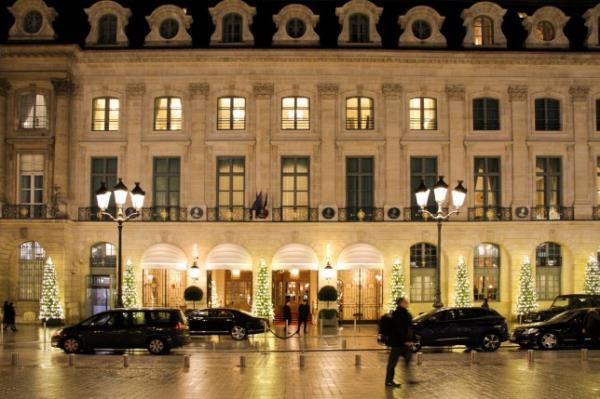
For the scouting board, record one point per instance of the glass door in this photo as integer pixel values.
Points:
(361, 294)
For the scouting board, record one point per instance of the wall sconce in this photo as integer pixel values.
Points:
(328, 271)
(235, 274)
(294, 273)
(195, 270)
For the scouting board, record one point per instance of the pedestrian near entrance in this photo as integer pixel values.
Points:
(9, 317)
(400, 342)
(303, 312)
(591, 326)
(485, 304)
(287, 315)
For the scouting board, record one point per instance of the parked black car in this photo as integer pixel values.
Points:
(564, 329)
(562, 303)
(157, 329)
(472, 327)
(221, 321)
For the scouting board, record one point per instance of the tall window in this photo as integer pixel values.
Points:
(31, 265)
(483, 31)
(359, 28)
(598, 109)
(167, 183)
(103, 254)
(487, 182)
(33, 111)
(486, 114)
(104, 169)
(359, 113)
(232, 28)
(359, 187)
(107, 29)
(486, 266)
(548, 261)
(422, 168)
(423, 263)
(231, 174)
(31, 186)
(547, 114)
(231, 113)
(423, 113)
(295, 113)
(167, 113)
(548, 179)
(295, 188)
(105, 114)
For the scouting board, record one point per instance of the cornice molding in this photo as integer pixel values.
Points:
(328, 90)
(263, 90)
(135, 89)
(199, 89)
(579, 93)
(517, 93)
(455, 92)
(4, 87)
(391, 90)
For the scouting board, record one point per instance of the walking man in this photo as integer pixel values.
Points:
(591, 326)
(303, 312)
(287, 315)
(9, 317)
(400, 342)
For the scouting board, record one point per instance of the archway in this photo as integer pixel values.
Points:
(229, 277)
(164, 275)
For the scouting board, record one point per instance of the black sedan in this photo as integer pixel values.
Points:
(220, 321)
(562, 303)
(472, 327)
(564, 329)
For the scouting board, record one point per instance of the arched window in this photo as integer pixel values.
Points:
(548, 262)
(31, 265)
(545, 31)
(232, 28)
(103, 254)
(483, 31)
(359, 28)
(486, 267)
(423, 263)
(359, 113)
(107, 29)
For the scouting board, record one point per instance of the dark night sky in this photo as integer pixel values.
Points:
(72, 26)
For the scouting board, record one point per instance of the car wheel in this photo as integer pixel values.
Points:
(490, 342)
(416, 346)
(238, 333)
(157, 346)
(548, 340)
(71, 345)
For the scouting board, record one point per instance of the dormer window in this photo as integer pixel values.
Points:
(359, 19)
(232, 20)
(483, 31)
(545, 28)
(545, 31)
(168, 27)
(421, 28)
(295, 26)
(359, 28)
(33, 111)
(592, 23)
(107, 29)
(33, 21)
(107, 20)
(232, 28)
(483, 22)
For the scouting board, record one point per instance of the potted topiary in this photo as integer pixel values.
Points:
(328, 316)
(193, 294)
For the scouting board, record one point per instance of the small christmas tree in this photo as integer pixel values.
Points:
(129, 291)
(214, 295)
(50, 307)
(527, 299)
(462, 296)
(591, 282)
(397, 285)
(262, 305)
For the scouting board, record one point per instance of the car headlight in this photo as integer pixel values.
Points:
(531, 331)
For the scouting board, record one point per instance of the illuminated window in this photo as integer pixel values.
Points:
(31, 186)
(295, 113)
(230, 188)
(167, 113)
(486, 267)
(31, 265)
(33, 111)
(423, 264)
(231, 113)
(423, 113)
(103, 254)
(105, 114)
(545, 31)
(548, 270)
(483, 31)
(359, 113)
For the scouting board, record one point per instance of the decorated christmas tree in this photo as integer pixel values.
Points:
(527, 299)
(591, 282)
(397, 284)
(462, 295)
(262, 305)
(50, 307)
(214, 296)
(129, 292)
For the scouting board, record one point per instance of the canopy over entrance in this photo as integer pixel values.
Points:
(229, 257)
(164, 256)
(360, 256)
(295, 256)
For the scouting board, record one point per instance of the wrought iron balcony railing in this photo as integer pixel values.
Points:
(490, 213)
(541, 212)
(360, 214)
(164, 214)
(228, 214)
(295, 214)
(25, 211)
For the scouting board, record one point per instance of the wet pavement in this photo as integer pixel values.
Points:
(311, 367)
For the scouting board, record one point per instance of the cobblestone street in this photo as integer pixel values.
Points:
(273, 371)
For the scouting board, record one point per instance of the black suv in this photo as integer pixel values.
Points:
(562, 303)
(156, 329)
(472, 327)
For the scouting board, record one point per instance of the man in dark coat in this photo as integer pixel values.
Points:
(591, 326)
(400, 343)
(303, 312)
(9, 317)
(287, 315)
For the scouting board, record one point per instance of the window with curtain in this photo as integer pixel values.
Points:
(486, 114)
(31, 186)
(548, 259)
(423, 113)
(486, 268)
(103, 254)
(359, 28)
(483, 31)
(295, 188)
(231, 186)
(423, 264)
(231, 113)
(548, 181)
(31, 266)
(232, 28)
(33, 111)
(167, 113)
(547, 114)
(359, 113)
(295, 113)
(105, 114)
(487, 182)
(107, 29)
(359, 187)
(544, 30)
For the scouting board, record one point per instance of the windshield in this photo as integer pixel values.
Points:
(564, 316)
(425, 316)
(560, 302)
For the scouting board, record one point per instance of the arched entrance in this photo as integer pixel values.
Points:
(360, 282)
(164, 276)
(295, 277)
(229, 277)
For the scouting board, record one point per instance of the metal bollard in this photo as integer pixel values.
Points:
(301, 359)
(584, 354)
(344, 344)
(357, 360)
(530, 356)
(14, 359)
(71, 360)
(242, 362)
(419, 358)
(473, 357)
(126, 360)
(186, 361)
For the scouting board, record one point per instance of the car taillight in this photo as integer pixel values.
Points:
(180, 326)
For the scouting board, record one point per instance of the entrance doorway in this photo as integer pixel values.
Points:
(230, 288)
(164, 287)
(361, 294)
(99, 293)
(293, 285)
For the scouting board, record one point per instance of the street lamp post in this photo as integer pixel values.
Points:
(440, 191)
(137, 199)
